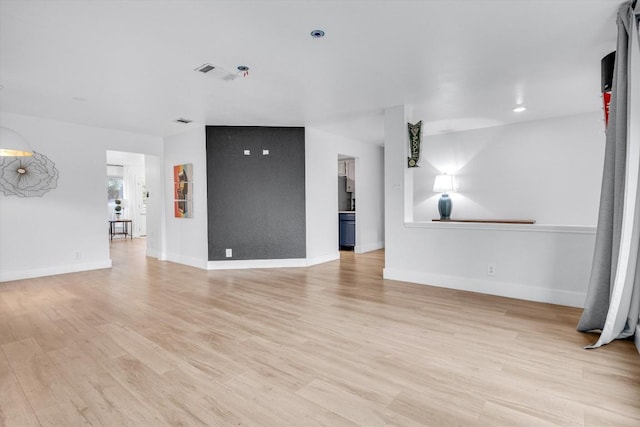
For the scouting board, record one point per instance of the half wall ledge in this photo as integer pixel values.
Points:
(502, 226)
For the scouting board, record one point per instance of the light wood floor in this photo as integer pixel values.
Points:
(152, 343)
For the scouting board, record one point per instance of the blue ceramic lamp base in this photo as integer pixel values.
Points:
(444, 207)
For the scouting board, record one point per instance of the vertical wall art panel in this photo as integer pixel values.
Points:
(183, 190)
(415, 141)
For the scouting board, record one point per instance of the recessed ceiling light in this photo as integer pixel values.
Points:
(79, 99)
(317, 34)
(519, 109)
(183, 120)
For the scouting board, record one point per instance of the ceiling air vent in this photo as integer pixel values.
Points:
(205, 68)
(182, 120)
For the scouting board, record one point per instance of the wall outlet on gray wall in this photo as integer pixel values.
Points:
(228, 253)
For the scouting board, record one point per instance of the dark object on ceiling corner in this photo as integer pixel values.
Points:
(606, 71)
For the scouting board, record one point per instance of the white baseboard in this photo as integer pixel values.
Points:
(323, 258)
(511, 290)
(154, 253)
(368, 247)
(256, 263)
(52, 271)
(190, 261)
(272, 263)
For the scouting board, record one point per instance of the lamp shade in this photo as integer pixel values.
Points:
(13, 144)
(444, 184)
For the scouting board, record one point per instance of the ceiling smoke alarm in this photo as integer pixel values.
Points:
(244, 70)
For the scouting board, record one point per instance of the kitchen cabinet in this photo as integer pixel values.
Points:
(351, 175)
(342, 168)
(347, 229)
(347, 168)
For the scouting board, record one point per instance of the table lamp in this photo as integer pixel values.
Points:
(444, 184)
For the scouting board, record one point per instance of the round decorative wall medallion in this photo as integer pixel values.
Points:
(31, 176)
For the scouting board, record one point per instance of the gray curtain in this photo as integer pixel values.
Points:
(612, 196)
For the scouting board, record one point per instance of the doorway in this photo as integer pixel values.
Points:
(126, 194)
(346, 202)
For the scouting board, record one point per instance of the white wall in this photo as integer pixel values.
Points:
(546, 170)
(187, 240)
(537, 262)
(156, 217)
(322, 149)
(66, 229)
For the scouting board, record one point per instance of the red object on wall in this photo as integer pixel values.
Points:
(606, 100)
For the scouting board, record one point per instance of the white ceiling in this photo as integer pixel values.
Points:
(459, 64)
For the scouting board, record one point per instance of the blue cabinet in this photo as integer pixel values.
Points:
(347, 229)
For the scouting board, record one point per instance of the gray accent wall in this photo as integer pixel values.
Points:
(256, 202)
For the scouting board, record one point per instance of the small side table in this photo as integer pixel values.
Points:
(127, 225)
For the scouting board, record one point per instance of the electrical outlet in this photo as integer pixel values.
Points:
(229, 253)
(491, 269)
(78, 255)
